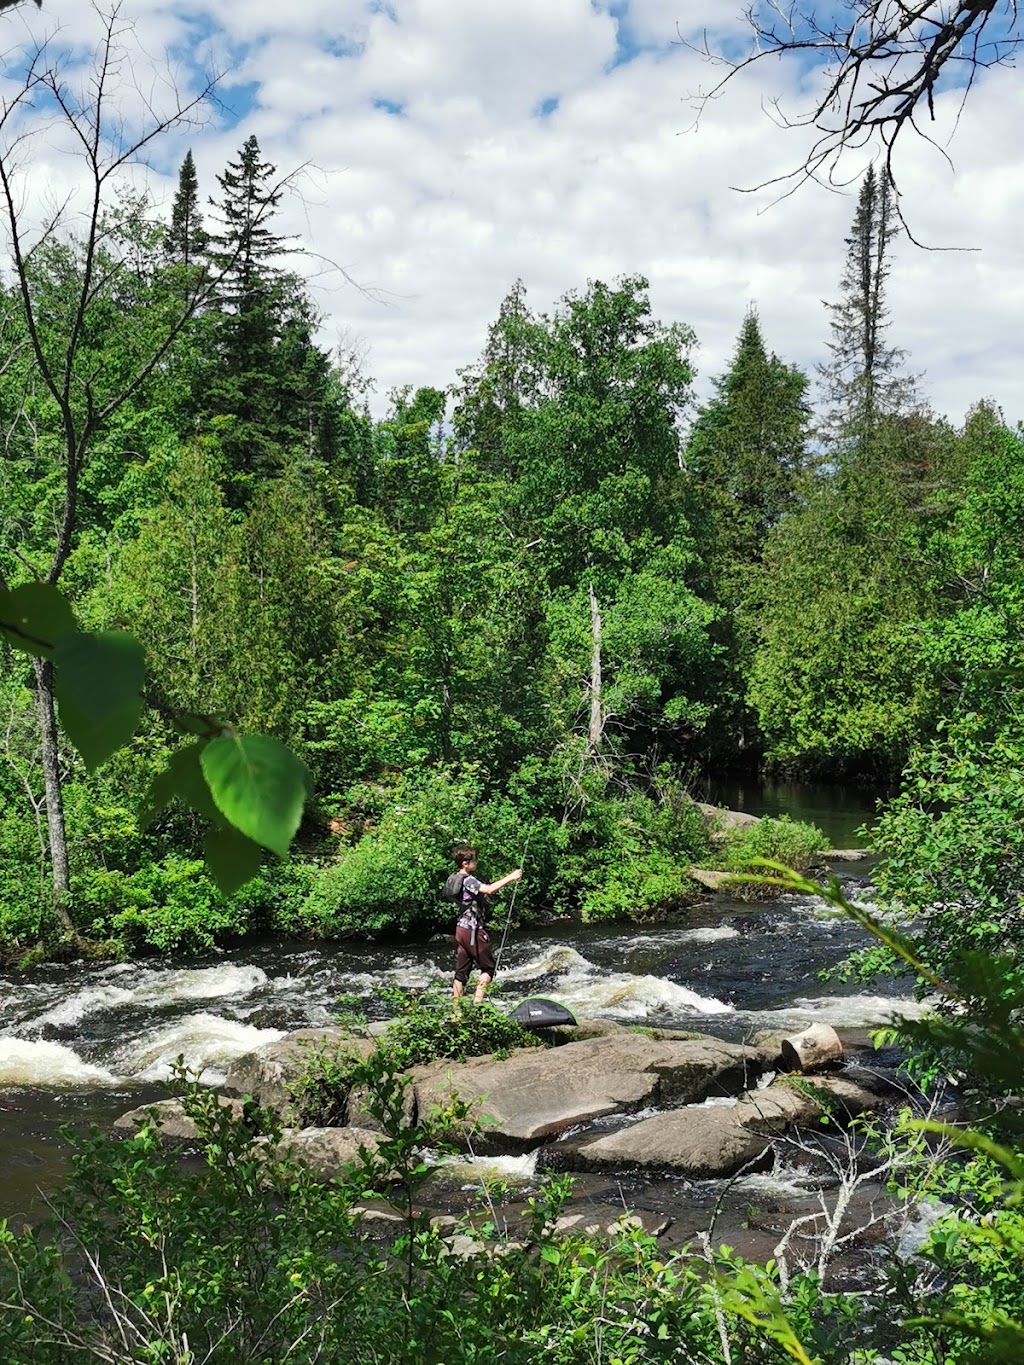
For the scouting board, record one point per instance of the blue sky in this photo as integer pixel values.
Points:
(452, 146)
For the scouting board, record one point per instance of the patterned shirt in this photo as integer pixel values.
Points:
(474, 904)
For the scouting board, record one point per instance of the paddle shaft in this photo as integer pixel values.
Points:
(512, 903)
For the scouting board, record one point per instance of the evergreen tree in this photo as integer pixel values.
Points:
(744, 458)
(186, 238)
(747, 449)
(246, 246)
(495, 392)
(862, 381)
(269, 389)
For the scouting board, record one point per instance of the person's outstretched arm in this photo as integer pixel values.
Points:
(502, 882)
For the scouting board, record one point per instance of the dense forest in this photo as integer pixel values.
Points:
(544, 601)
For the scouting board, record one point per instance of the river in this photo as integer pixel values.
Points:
(81, 1044)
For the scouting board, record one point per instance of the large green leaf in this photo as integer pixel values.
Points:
(259, 786)
(33, 616)
(231, 858)
(98, 685)
(181, 780)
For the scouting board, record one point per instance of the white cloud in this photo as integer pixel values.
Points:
(442, 207)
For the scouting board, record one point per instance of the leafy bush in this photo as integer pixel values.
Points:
(392, 878)
(431, 1026)
(647, 889)
(952, 842)
(778, 839)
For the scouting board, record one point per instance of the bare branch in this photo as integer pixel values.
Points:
(883, 65)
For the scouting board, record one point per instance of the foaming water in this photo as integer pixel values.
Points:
(208, 1043)
(476, 1168)
(619, 996)
(711, 934)
(151, 988)
(33, 1062)
(558, 960)
(842, 1011)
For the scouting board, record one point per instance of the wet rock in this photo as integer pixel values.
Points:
(536, 1094)
(777, 1109)
(845, 1096)
(585, 1224)
(374, 1213)
(882, 1082)
(269, 1073)
(706, 1141)
(845, 855)
(587, 1028)
(169, 1119)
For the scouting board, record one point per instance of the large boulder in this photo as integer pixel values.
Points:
(699, 1142)
(723, 821)
(537, 1094)
(330, 1153)
(270, 1073)
(169, 1119)
(703, 1141)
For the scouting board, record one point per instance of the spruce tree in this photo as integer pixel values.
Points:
(269, 380)
(186, 238)
(862, 382)
(747, 448)
(246, 246)
(744, 459)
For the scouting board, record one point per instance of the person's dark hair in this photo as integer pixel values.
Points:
(463, 854)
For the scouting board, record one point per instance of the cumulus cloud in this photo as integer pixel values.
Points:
(453, 146)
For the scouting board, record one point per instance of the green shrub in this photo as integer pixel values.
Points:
(952, 842)
(431, 1026)
(170, 906)
(642, 889)
(779, 839)
(392, 878)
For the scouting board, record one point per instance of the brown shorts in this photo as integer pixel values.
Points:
(482, 954)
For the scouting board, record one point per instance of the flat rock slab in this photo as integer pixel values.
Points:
(269, 1073)
(696, 1142)
(725, 820)
(537, 1094)
(169, 1119)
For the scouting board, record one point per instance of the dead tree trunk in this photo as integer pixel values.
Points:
(59, 866)
(596, 730)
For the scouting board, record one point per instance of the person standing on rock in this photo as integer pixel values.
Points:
(472, 896)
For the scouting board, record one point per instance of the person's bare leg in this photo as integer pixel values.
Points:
(458, 989)
(481, 988)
